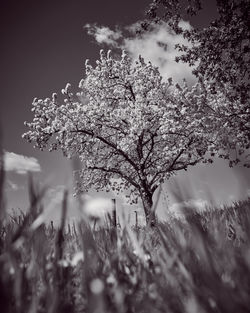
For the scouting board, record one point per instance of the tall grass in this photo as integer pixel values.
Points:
(195, 265)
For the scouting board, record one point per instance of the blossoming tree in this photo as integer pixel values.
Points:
(130, 129)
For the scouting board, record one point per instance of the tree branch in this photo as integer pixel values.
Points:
(110, 144)
(115, 171)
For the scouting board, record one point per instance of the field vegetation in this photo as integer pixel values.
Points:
(198, 264)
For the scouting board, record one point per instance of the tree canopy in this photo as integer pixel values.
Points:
(130, 129)
(220, 50)
(219, 54)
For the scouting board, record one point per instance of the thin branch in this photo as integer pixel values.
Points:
(129, 87)
(115, 171)
(150, 150)
(108, 143)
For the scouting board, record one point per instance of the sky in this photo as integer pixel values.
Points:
(44, 46)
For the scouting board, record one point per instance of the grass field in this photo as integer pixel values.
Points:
(200, 264)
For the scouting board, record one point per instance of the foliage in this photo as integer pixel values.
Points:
(220, 50)
(222, 122)
(130, 129)
(219, 54)
(197, 265)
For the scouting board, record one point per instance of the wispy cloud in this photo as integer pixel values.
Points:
(20, 164)
(156, 46)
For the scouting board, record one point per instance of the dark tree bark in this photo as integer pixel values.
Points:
(147, 201)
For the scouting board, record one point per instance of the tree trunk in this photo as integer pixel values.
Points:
(147, 202)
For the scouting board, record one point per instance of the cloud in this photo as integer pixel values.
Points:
(156, 46)
(98, 207)
(20, 164)
(103, 34)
